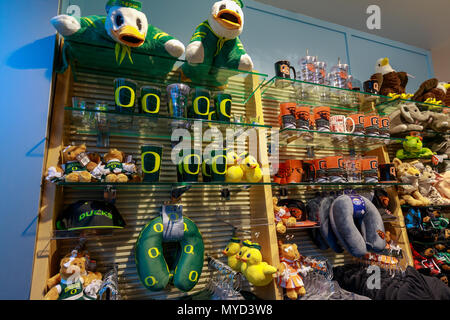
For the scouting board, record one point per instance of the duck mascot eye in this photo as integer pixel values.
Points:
(126, 29)
(216, 43)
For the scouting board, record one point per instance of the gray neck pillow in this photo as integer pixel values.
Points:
(325, 225)
(356, 222)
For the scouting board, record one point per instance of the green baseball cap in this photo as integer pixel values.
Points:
(239, 2)
(124, 3)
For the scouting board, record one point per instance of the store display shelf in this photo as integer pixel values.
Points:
(82, 234)
(299, 138)
(141, 123)
(390, 105)
(287, 90)
(303, 225)
(161, 185)
(102, 59)
(339, 184)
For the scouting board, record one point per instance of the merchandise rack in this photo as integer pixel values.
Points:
(250, 208)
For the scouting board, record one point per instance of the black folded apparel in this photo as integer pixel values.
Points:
(94, 214)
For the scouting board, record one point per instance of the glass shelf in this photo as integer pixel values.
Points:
(100, 59)
(88, 121)
(444, 207)
(390, 105)
(161, 185)
(340, 185)
(303, 225)
(278, 90)
(299, 138)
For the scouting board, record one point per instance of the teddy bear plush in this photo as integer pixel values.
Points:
(288, 275)
(216, 43)
(115, 170)
(407, 117)
(283, 217)
(409, 193)
(73, 282)
(76, 165)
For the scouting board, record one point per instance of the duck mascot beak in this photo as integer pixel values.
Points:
(229, 19)
(129, 36)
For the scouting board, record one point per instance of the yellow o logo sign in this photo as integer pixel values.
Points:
(144, 102)
(186, 164)
(151, 254)
(73, 291)
(158, 227)
(189, 249)
(196, 108)
(157, 162)
(152, 283)
(223, 107)
(185, 227)
(214, 164)
(117, 97)
(193, 276)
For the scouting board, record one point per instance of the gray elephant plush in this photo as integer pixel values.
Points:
(408, 117)
(439, 122)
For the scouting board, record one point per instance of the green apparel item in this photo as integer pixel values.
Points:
(83, 47)
(219, 52)
(72, 291)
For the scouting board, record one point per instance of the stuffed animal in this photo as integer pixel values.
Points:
(125, 28)
(115, 170)
(257, 272)
(245, 246)
(407, 117)
(390, 82)
(425, 262)
(427, 180)
(234, 170)
(409, 175)
(439, 122)
(231, 250)
(216, 43)
(283, 218)
(251, 168)
(443, 184)
(432, 91)
(76, 165)
(288, 276)
(413, 148)
(435, 221)
(73, 281)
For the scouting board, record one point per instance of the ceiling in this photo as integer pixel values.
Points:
(420, 23)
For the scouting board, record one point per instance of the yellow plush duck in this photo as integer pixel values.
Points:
(257, 272)
(231, 250)
(234, 171)
(251, 168)
(245, 246)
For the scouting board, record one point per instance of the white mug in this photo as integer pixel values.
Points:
(339, 124)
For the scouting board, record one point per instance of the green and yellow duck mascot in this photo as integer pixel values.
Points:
(136, 43)
(216, 44)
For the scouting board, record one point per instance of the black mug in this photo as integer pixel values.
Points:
(387, 172)
(283, 70)
(371, 86)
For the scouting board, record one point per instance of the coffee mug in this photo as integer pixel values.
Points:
(287, 112)
(322, 118)
(201, 104)
(151, 157)
(309, 172)
(218, 165)
(335, 169)
(371, 86)
(320, 167)
(385, 124)
(283, 70)
(223, 103)
(353, 169)
(371, 125)
(150, 101)
(387, 172)
(125, 95)
(369, 168)
(303, 117)
(339, 124)
(358, 122)
(189, 165)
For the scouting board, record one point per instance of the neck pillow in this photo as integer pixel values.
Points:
(356, 222)
(153, 270)
(312, 209)
(325, 225)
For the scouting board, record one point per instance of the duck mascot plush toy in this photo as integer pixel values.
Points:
(250, 167)
(216, 43)
(126, 29)
(234, 170)
(257, 272)
(231, 250)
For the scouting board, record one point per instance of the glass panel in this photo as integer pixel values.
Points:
(388, 106)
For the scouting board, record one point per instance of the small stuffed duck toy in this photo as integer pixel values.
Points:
(257, 272)
(234, 170)
(231, 250)
(216, 41)
(125, 24)
(251, 168)
(245, 246)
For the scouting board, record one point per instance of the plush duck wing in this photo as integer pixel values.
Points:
(66, 25)
(425, 87)
(268, 269)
